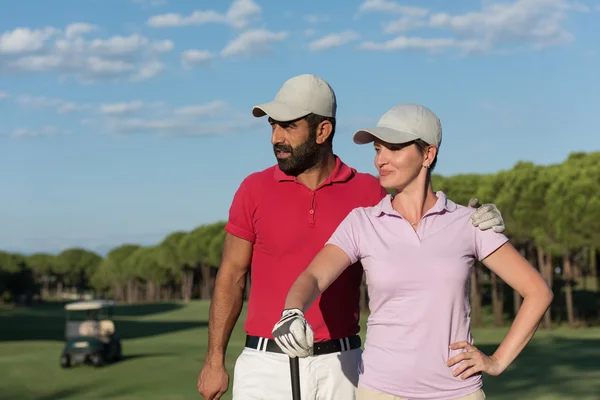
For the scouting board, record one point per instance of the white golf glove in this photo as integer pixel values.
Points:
(293, 334)
(487, 216)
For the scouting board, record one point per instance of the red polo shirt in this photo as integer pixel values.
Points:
(288, 225)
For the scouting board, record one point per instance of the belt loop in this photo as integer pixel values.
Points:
(347, 339)
(342, 344)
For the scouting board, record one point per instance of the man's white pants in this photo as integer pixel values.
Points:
(266, 376)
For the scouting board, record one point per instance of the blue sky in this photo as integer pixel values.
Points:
(124, 120)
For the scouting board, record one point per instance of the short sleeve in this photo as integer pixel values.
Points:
(486, 242)
(346, 236)
(240, 215)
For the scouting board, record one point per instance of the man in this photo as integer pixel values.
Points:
(279, 219)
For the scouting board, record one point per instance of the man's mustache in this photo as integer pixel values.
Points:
(283, 148)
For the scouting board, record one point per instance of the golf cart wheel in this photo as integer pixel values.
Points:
(97, 360)
(119, 352)
(65, 361)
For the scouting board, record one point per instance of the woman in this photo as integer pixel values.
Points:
(417, 248)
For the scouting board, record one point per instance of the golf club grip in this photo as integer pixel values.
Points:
(295, 373)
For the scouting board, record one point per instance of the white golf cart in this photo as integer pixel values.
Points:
(90, 334)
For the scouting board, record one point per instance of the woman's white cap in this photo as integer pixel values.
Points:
(404, 123)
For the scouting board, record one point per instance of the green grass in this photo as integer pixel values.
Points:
(164, 346)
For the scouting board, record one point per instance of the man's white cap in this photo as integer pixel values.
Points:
(404, 123)
(298, 97)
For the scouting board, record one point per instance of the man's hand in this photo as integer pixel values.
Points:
(293, 334)
(213, 381)
(487, 216)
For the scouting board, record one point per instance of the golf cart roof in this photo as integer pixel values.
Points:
(90, 305)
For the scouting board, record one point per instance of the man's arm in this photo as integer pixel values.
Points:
(227, 299)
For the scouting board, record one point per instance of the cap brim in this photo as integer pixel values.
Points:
(387, 135)
(279, 111)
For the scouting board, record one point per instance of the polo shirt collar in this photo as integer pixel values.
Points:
(443, 203)
(340, 173)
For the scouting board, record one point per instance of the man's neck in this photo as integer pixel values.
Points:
(315, 176)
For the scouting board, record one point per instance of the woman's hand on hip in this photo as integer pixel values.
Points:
(473, 361)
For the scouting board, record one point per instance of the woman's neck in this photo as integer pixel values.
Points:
(412, 202)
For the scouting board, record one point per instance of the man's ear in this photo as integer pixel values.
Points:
(324, 130)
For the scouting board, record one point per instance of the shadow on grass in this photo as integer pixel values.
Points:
(556, 366)
(47, 322)
(140, 310)
(74, 392)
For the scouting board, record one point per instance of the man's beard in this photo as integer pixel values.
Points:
(301, 159)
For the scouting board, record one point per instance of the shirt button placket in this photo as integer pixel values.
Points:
(311, 210)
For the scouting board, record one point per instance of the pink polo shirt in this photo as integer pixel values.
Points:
(418, 285)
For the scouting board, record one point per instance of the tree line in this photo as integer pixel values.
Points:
(551, 212)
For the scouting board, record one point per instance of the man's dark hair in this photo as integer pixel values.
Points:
(314, 120)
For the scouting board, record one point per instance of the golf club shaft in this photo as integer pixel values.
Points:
(295, 374)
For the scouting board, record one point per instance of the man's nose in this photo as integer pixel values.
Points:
(277, 134)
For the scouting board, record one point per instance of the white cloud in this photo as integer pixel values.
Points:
(175, 126)
(194, 57)
(252, 42)
(24, 40)
(310, 32)
(536, 22)
(404, 24)
(148, 71)
(239, 15)
(384, 6)
(333, 40)
(133, 57)
(44, 131)
(211, 109)
(315, 19)
(242, 12)
(145, 117)
(415, 43)
(59, 105)
(121, 108)
(496, 27)
(78, 29)
(4, 95)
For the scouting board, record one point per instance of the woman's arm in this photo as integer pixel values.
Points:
(324, 269)
(518, 273)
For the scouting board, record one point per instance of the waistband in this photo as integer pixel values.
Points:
(319, 348)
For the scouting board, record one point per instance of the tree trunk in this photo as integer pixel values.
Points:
(59, 290)
(131, 295)
(594, 267)
(149, 291)
(567, 276)
(46, 289)
(205, 286)
(475, 295)
(545, 268)
(187, 284)
(497, 300)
